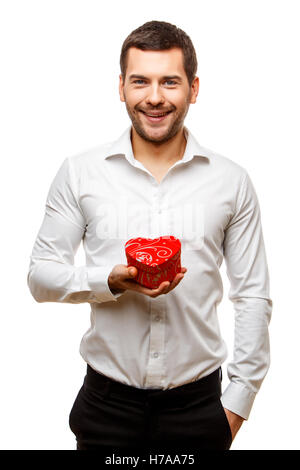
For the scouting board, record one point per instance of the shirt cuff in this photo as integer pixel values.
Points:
(97, 277)
(238, 399)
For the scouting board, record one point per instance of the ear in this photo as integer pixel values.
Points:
(194, 90)
(121, 88)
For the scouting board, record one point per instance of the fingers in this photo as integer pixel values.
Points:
(163, 288)
(132, 285)
(175, 282)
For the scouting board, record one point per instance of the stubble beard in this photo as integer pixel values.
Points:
(173, 129)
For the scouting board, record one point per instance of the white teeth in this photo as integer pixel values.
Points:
(156, 115)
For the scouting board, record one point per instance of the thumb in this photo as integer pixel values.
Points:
(132, 272)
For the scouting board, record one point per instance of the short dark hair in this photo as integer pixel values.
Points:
(158, 36)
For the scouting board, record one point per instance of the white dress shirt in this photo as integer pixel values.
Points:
(104, 197)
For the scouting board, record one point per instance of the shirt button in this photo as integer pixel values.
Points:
(155, 355)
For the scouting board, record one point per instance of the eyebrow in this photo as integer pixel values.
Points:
(166, 77)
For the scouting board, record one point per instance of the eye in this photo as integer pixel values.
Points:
(139, 81)
(170, 82)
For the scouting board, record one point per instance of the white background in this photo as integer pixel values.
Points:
(59, 96)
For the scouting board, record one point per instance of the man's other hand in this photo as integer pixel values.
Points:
(235, 422)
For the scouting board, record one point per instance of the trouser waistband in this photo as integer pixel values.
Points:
(201, 387)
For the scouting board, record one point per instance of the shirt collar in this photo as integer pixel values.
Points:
(122, 147)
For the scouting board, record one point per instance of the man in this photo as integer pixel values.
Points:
(154, 355)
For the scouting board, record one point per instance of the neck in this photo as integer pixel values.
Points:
(158, 153)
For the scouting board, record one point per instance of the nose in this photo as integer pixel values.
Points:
(155, 95)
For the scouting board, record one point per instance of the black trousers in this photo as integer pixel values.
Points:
(107, 414)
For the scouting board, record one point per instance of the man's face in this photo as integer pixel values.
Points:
(157, 93)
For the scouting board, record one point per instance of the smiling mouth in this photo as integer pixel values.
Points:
(156, 114)
(155, 117)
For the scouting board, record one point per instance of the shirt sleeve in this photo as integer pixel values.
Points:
(52, 276)
(247, 270)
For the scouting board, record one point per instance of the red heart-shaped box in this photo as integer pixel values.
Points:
(156, 259)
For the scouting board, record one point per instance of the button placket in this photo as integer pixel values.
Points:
(156, 201)
(155, 221)
(155, 369)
